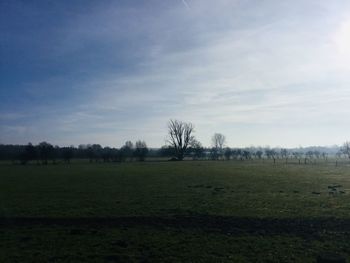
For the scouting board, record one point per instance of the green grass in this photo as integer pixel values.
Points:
(203, 189)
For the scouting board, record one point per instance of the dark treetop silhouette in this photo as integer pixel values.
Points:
(180, 137)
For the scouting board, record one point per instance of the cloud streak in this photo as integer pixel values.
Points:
(261, 73)
(185, 4)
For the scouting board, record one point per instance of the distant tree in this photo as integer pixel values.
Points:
(180, 137)
(107, 154)
(298, 156)
(237, 154)
(90, 153)
(214, 155)
(197, 150)
(129, 144)
(324, 155)
(97, 149)
(317, 154)
(271, 154)
(55, 153)
(114, 155)
(46, 151)
(345, 149)
(141, 150)
(67, 154)
(285, 154)
(228, 153)
(246, 154)
(339, 153)
(126, 152)
(259, 154)
(166, 151)
(29, 154)
(94, 152)
(308, 156)
(218, 142)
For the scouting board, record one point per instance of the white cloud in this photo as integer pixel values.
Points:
(230, 65)
(342, 43)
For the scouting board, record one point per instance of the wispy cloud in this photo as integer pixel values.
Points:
(185, 4)
(256, 71)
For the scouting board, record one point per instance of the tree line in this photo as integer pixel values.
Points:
(181, 143)
(45, 152)
(181, 138)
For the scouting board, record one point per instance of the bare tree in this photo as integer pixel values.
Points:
(298, 156)
(259, 154)
(141, 150)
(345, 149)
(284, 154)
(180, 137)
(218, 142)
(246, 154)
(308, 156)
(324, 156)
(197, 149)
(271, 154)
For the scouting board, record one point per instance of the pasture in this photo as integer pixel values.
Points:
(198, 211)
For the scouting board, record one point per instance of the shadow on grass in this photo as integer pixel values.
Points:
(227, 225)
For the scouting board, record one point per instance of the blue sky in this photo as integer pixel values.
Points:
(260, 72)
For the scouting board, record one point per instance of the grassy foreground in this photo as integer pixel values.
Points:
(173, 211)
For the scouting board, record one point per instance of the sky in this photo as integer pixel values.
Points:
(263, 72)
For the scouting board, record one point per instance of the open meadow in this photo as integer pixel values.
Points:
(198, 211)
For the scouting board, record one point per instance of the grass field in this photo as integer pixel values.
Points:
(191, 211)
